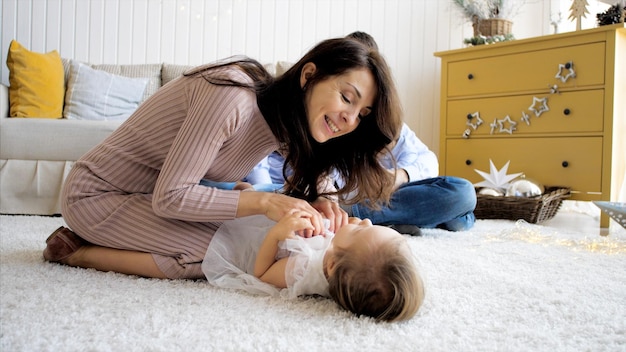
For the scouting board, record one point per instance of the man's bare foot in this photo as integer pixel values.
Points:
(243, 186)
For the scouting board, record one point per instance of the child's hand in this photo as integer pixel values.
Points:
(331, 211)
(295, 221)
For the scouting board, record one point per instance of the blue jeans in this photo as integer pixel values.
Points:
(443, 202)
(440, 202)
(265, 187)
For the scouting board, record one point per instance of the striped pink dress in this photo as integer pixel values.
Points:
(138, 189)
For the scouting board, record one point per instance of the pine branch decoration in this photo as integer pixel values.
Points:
(614, 14)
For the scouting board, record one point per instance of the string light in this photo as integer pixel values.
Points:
(537, 234)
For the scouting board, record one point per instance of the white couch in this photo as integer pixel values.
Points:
(36, 154)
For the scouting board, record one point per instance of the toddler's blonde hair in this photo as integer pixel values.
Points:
(385, 284)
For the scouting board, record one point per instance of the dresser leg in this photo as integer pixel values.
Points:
(604, 220)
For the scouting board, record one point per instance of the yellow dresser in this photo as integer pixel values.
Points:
(554, 106)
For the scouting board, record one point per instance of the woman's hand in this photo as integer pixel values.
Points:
(332, 211)
(275, 206)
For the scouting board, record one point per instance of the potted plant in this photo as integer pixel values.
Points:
(489, 17)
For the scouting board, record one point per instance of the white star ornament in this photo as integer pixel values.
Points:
(497, 179)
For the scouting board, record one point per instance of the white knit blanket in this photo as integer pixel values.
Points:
(503, 286)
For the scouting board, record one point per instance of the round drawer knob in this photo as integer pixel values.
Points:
(468, 162)
(470, 76)
(568, 65)
(565, 164)
(469, 116)
(567, 111)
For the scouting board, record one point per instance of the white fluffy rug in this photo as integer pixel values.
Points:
(503, 286)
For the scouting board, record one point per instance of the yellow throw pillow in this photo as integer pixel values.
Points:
(36, 83)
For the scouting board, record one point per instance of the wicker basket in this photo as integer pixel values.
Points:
(533, 210)
(492, 26)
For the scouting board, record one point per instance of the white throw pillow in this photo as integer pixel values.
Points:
(98, 95)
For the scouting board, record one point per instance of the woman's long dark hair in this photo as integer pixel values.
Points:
(282, 102)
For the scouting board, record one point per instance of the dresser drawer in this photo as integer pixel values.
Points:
(528, 71)
(579, 112)
(541, 159)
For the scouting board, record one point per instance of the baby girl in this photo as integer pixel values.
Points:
(366, 269)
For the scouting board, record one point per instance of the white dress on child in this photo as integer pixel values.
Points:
(229, 260)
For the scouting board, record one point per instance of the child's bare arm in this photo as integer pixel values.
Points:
(265, 259)
(275, 274)
(267, 252)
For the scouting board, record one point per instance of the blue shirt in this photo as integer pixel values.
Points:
(411, 154)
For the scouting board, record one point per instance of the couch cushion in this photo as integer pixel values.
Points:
(151, 71)
(282, 67)
(36, 83)
(99, 95)
(171, 72)
(47, 139)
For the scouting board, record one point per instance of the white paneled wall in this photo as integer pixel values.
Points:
(199, 31)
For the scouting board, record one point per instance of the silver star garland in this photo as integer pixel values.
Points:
(525, 118)
(570, 72)
(543, 108)
(493, 125)
(479, 121)
(511, 127)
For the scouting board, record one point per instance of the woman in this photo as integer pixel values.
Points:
(135, 203)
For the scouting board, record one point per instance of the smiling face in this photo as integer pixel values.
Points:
(336, 105)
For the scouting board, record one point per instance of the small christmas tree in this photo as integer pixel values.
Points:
(578, 10)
